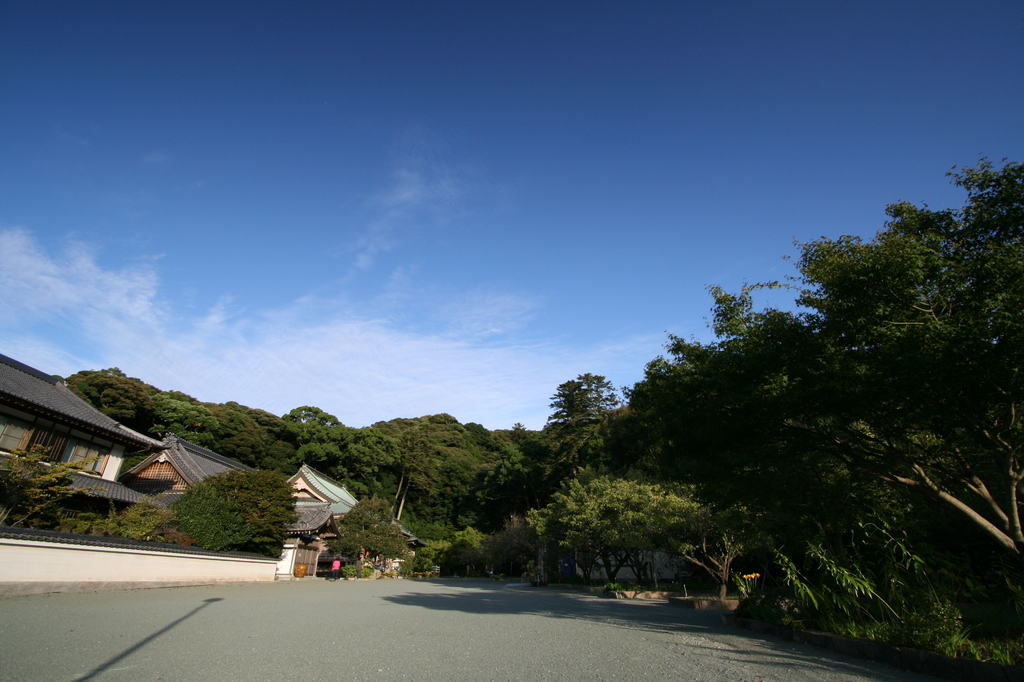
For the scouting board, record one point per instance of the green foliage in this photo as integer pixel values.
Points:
(183, 415)
(580, 406)
(878, 589)
(355, 457)
(714, 539)
(514, 544)
(610, 522)
(253, 437)
(899, 372)
(467, 548)
(141, 521)
(128, 400)
(350, 571)
(267, 506)
(208, 517)
(240, 510)
(370, 527)
(31, 492)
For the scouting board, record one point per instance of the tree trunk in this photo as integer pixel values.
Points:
(401, 506)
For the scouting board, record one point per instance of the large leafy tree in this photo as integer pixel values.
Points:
(128, 400)
(609, 522)
(902, 363)
(243, 510)
(370, 528)
(211, 519)
(181, 414)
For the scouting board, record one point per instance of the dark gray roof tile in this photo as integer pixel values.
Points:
(311, 517)
(98, 487)
(49, 395)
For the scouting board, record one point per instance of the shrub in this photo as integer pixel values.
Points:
(215, 522)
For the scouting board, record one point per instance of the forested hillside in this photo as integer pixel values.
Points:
(441, 475)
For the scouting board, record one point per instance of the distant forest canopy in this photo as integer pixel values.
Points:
(441, 475)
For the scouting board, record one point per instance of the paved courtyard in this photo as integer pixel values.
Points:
(383, 630)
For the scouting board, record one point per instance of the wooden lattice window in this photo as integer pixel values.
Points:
(156, 478)
(54, 443)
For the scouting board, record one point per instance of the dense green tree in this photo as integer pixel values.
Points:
(515, 484)
(370, 528)
(514, 545)
(267, 503)
(902, 363)
(356, 457)
(607, 521)
(579, 408)
(213, 521)
(181, 414)
(466, 551)
(125, 399)
(240, 510)
(140, 521)
(438, 449)
(417, 468)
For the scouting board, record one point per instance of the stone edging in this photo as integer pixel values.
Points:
(705, 603)
(937, 665)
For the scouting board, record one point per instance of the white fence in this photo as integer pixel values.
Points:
(33, 561)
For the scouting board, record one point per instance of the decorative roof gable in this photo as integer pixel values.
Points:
(323, 488)
(191, 462)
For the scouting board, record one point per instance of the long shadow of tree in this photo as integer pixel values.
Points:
(695, 630)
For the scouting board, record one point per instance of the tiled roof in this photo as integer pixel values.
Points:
(311, 517)
(198, 462)
(98, 487)
(340, 499)
(166, 499)
(98, 541)
(50, 395)
(194, 462)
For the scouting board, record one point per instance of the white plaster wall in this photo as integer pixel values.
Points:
(35, 561)
(286, 564)
(113, 464)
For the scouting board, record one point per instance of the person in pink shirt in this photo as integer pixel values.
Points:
(335, 567)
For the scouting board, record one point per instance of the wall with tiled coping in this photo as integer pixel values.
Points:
(44, 561)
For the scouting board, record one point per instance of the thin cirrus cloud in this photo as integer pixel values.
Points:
(421, 193)
(64, 313)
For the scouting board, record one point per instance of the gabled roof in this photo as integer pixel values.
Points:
(325, 488)
(312, 517)
(191, 461)
(42, 393)
(98, 487)
(410, 538)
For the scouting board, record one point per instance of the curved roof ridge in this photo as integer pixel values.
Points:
(334, 489)
(204, 452)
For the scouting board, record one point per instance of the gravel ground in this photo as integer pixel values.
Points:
(458, 630)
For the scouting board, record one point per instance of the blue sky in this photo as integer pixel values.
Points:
(393, 209)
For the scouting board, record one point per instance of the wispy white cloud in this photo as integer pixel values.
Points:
(423, 192)
(63, 313)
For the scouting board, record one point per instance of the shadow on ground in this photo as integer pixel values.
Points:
(696, 632)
